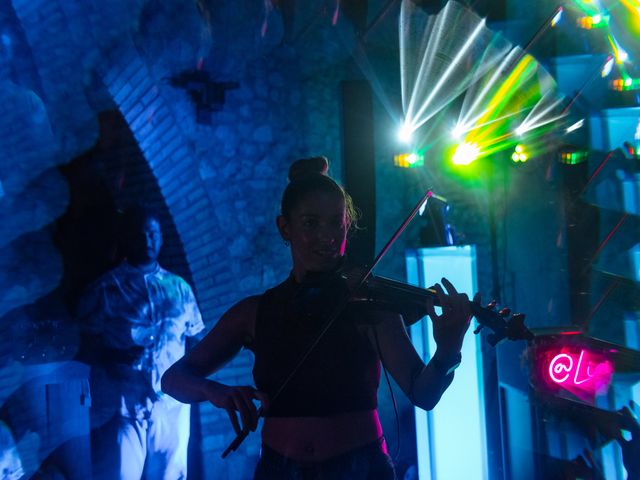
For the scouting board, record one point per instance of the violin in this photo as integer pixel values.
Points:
(411, 301)
(379, 293)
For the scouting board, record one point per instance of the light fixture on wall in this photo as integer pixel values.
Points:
(207, 94)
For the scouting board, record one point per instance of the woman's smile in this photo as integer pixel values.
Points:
(317, 230)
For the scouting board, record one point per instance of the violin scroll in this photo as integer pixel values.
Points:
(511, 329)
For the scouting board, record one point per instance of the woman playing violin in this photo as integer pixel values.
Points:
(324, 423)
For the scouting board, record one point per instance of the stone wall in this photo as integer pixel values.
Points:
(219, 176)
(219, 181)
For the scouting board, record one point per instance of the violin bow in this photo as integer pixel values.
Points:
(420, 206)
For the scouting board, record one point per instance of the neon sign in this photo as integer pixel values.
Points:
(578, 370)
(561, 367)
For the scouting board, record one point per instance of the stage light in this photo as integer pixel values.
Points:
(557, 17)
(458, 132)
(575, 126)
(631, 150)
(573, 157)
(405, 133)
(408, 160)
(625, 84)
(465, 154)
(519, 154)
(635, 146)
(621, 55)
(520, 130)
(608, 66)
(594, 21)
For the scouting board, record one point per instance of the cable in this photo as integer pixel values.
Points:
(393, 398)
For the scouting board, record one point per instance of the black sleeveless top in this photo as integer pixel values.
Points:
(340, 375)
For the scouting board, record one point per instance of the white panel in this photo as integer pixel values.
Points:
(450, 439)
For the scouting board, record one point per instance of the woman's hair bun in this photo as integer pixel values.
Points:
(308, 166)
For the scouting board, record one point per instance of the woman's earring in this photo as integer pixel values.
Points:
(286, 243)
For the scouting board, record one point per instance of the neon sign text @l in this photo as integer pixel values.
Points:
(563, 364)
(583, 373)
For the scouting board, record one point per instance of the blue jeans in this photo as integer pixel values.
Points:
(364, 463)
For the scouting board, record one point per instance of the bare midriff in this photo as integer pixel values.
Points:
(314, 439)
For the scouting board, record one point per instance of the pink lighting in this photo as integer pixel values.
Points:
(577, 370)
(559, 365)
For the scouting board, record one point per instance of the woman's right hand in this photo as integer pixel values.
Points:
(240, 400)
